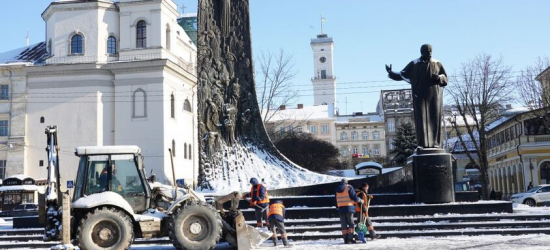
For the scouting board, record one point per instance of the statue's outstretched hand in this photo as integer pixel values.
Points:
(388, 68)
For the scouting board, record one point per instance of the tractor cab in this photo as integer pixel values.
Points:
(116, 169)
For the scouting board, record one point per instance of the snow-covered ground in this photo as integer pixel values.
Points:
(493, 242)
(532, 241)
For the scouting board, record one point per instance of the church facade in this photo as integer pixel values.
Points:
(107, 73)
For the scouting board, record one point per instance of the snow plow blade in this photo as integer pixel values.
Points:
(247, 236)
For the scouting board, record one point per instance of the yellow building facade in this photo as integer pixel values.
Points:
(519, 153)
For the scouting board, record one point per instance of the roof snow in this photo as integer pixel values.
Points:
(301, 114)
(33, 53)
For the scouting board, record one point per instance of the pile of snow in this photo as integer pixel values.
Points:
(242, 162)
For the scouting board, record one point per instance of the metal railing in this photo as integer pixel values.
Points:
(77, 59)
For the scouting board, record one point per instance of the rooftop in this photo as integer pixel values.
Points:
(32, 53)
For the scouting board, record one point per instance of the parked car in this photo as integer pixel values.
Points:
(27, 209)
(533, 197)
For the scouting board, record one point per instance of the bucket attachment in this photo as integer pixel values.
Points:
(249, 237)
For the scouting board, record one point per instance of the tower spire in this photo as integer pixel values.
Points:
(322, 21)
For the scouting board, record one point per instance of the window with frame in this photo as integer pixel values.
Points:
(77, 42)
(187, 105)
(111, 45)
(323, 74)
(50, 47)
(324, 128)
(376, 149)
(2, 169)
(376, 135)
(365, 150)
(354, 136)
(141, 34)
(173, 148)
(168, 35)
(282, 129)
(172, 106)
(185, 151)
(4, 128)
(391, 125)
(298, 129)
(4, 92)
(313, 129)
(365, 135)
(344, 152)
(343, 136)
(139, 101)
(354, 150)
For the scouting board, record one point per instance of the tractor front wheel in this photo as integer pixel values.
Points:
(105, 228)
(195, 225)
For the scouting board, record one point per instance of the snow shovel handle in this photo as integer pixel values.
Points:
(262, 208)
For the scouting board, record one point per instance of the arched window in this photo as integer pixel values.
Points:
(185, 151)
(189, 151)
(354, 136)
(172, 106)
(111, 45)
(42, 120)
(139, 101)
(187, 105)
(141, 34)
(173, 148)
(77, 42)
(168, 35)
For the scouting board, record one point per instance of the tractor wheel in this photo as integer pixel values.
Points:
(195, 226)
(105, 228)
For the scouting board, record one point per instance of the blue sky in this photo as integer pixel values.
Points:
(367, 35)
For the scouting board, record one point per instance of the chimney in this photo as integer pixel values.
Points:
(300, 106)
(282, 107)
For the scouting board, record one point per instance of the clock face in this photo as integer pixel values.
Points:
(322, 59)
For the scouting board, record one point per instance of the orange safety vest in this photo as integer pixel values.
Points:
(342, 198)
(277, 209)
(266, 198)
(363, 197)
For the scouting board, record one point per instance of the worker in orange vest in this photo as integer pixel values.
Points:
(363, 194)
(276, 219)
(345, 201)
(259, 200)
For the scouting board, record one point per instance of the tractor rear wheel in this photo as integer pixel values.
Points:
(105, 228)
(196, 225)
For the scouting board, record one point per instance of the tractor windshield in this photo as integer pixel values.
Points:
(118, 173)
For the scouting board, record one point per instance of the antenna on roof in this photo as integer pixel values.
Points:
(27, 37)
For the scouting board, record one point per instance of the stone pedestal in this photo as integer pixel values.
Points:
(433, 176)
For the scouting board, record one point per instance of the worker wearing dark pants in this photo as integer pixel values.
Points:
(276, 219)
(259, 200)
(345, 198)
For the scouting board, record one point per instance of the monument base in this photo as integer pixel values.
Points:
(433, 176)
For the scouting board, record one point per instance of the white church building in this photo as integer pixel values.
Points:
(108, 73)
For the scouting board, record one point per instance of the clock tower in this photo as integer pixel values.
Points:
(324, 82)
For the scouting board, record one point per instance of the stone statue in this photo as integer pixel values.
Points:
(427, 78)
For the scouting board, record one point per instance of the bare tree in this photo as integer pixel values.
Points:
(274, 86)
(532, 84)
(477, 90)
